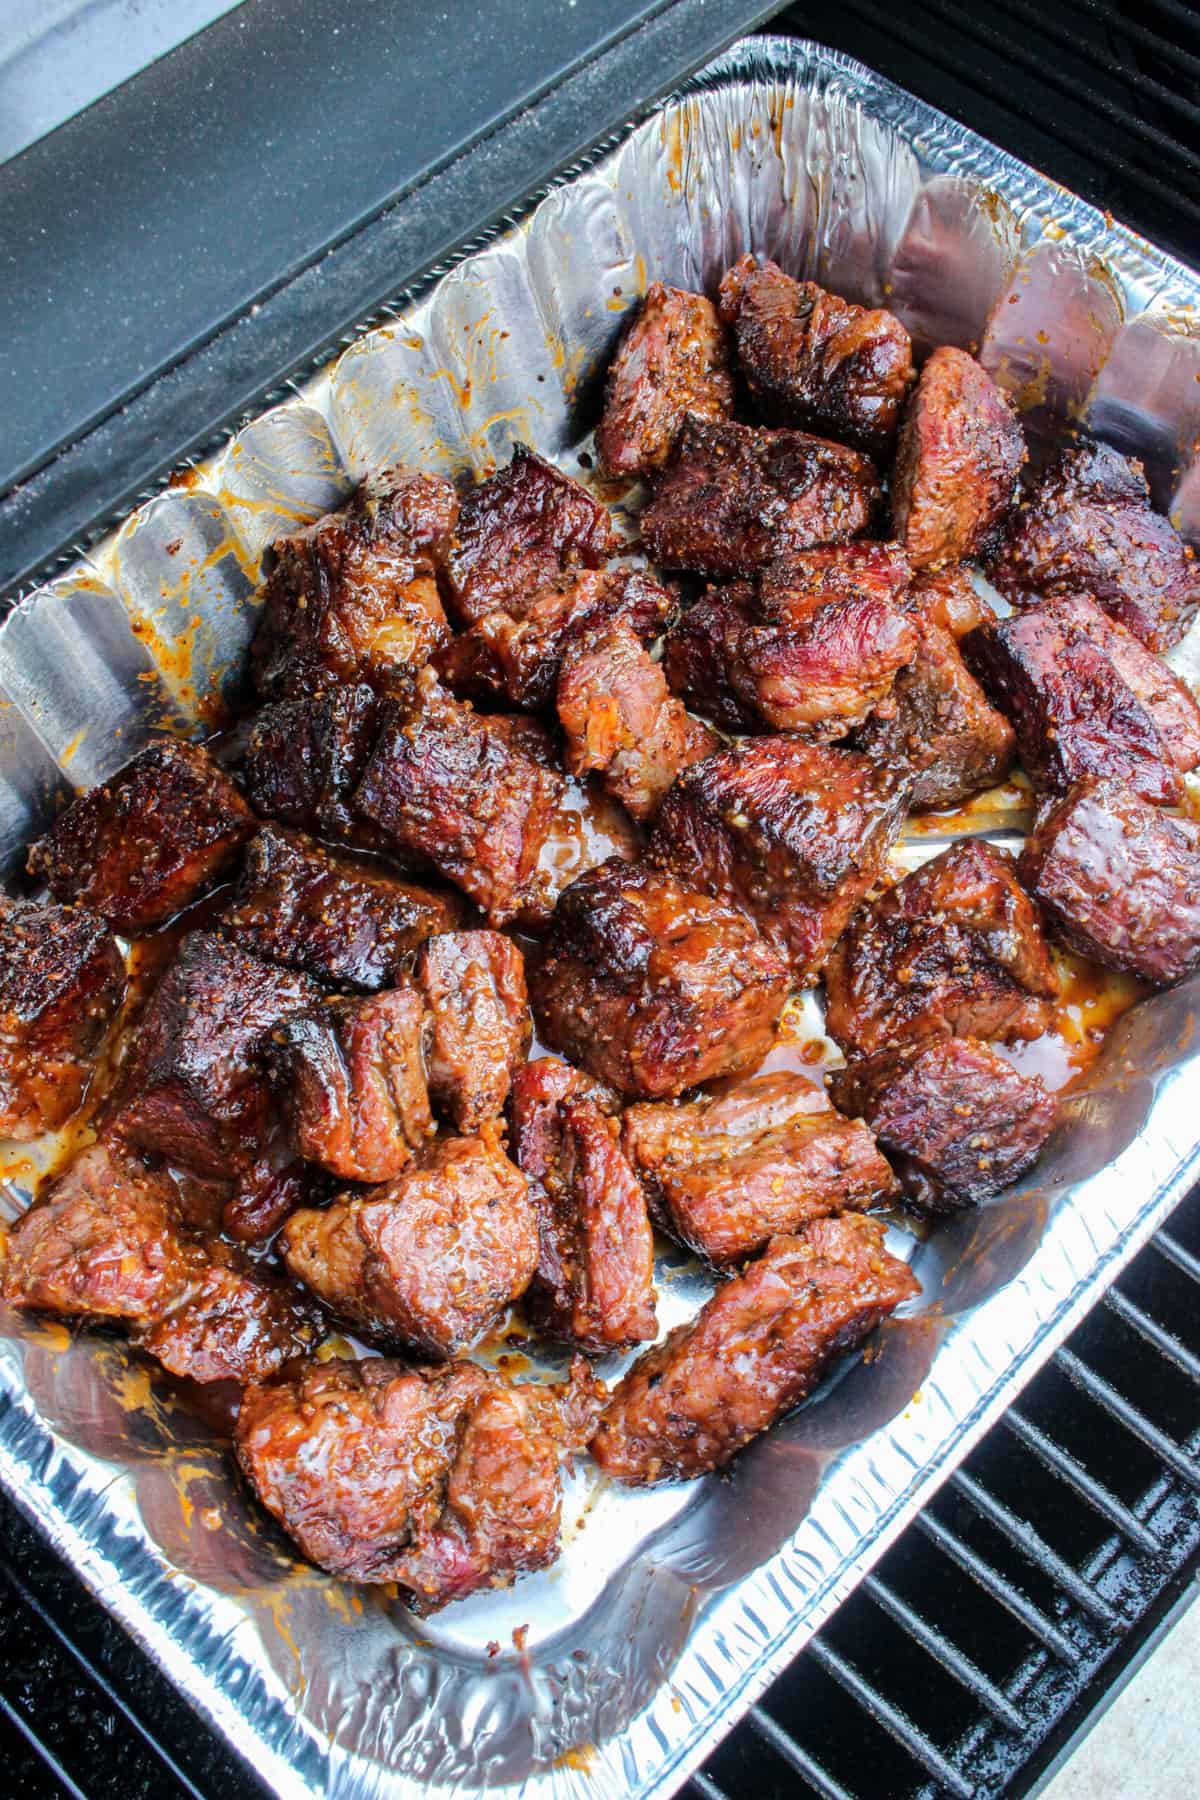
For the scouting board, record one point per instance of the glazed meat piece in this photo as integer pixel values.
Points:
(958, 457)
(949, 599)
(794, 833)
(62, 978)
(519, 660)
(351, 1076)
(304, 758)
(1089, 529)
(448, 785)
(444, 1480)
(430, 1259)
(1085, 698)
(734, 497)
(517, 531)
(105, 1244)
(730, 1172)
(343, 918)
(622, 721)
(698, 655)
(594, 1283)
(815, 360)
(956, 949)
(474, 985)
(957, 1122)
(673, 361)
(760, 1345)
(1119, 880)
(354, 596)
(653, 987)
(143, 844)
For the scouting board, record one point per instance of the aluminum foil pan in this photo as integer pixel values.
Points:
(611, 1674)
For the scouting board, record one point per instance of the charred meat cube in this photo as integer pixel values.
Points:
(653, 987)
(1119, 880)
(474, 985)
(673, 361)
(520, 529)
(956, 949)
(143, 844)
(733, 497)
(235, 1323)
(699, 653)
(815, 360)
(732, 1171)
(304, 758)
(622, 721)
(443, 1480)
(519, 660)
(1089, 529)
(1085, 698)
(958, 457)
(594, 1283)
(957, 1121)
(430, 1259)
(949, 599)
(351, 1076)
(760, 1345)
(343, 918)
(451, 786)
(62, 978)
(793, 833)
(354, 596)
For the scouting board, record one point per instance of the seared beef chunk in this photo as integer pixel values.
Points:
(474, 983)
(672, 362)
(343, 918)
(351, 1075)
(304, 758)
(444, 1480)
(451, 786)
(794, 833)
(653, 987)
(430, 1259)
(759, 1346)
(949, 598)
(815, 360)
(520, 529)
(1085, 698)
(143, 844)
(958, 1122)
(622, 721)
(957, 462)
(104, 1243)
(1089, 529)
(520, 659)
(955, 949)
(61, 980)
(354, 597)
(1119, 880)
(770, 1154)
(594, 1284)
(698, 655)
(937, 723)
(733, 497)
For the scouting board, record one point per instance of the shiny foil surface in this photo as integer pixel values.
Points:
(611, 1674)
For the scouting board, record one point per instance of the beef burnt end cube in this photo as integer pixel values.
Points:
(303, 759)
(354, 596)
(957, 1121)
(673, 361)
(474, 986)
(652, 986)
(62, 978)
(145, 843)
(1119, 880)
(794, 833)
(698, 655)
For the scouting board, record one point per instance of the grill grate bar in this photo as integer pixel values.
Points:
(946, 1654)
(1174, 9)
(1165, 1342)
(1020, 1532)
(12, 1716)
(706, 1787)
(1107, 1397)
(1078, 1478)
(885, 1713)
(794, 1754)
(1011, 1598)
(1062, 35)
(1175, 54)
(1169, 1247)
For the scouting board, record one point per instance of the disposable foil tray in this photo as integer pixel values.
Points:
(612, 1673)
